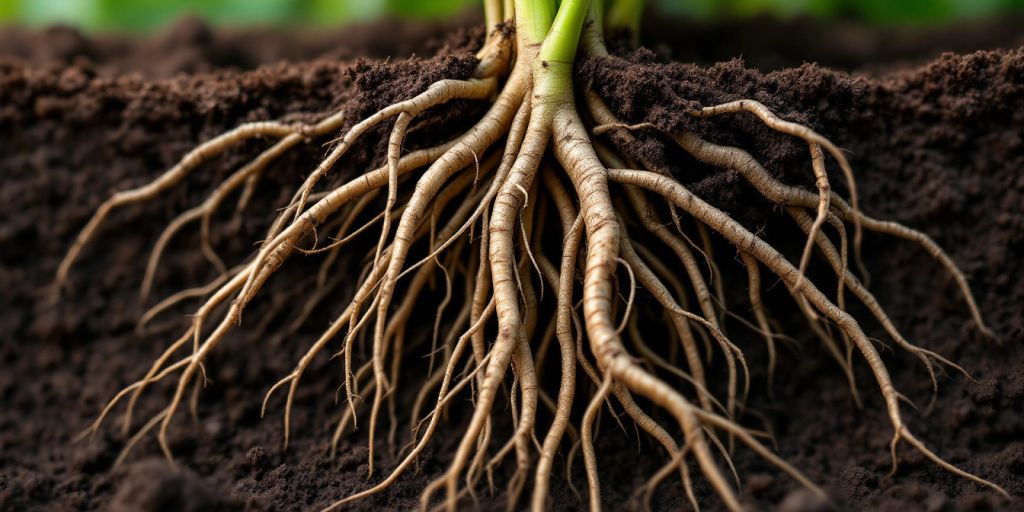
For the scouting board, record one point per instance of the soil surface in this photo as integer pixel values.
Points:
(937, 146)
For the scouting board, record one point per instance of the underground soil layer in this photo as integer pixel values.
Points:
(937, 145)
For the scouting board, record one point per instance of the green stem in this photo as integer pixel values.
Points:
(558, 35)
(533, 19)
(492, 14)
(564, 37)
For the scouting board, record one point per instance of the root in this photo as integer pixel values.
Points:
(174, 176)
(768, 256)
(816, 142)
(520, 203)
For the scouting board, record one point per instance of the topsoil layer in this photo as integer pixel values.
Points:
(937, 146)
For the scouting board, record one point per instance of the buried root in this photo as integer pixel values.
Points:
(535, 235)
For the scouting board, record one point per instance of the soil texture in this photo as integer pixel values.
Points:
(937, 145)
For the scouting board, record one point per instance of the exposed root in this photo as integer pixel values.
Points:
(768, 256)
(524, 201)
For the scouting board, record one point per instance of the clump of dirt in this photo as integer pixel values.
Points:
(937, 147)
(154, 485)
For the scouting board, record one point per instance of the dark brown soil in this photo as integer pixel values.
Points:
(189, 46)
(938, 147)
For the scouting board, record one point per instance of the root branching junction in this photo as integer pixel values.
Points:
(532, 244)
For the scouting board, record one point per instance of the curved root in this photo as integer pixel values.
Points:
(475, 231)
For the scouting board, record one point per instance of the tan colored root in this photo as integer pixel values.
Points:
(772, 189)
(480, 137)
(709, 257)
(343, 236)
(646, 492)
(271, 262)
(682, 329)
(293, 378)
(394, 155)
(562, 281)
(169, 179)
(641, 419)
(844, 264)
(649, 219)
(587, 442)
(502, 225)
(432, 425)
(603, 235)
(435, 377)
(319, 212)
(816, 142)
(821, 331)
(869, 301)
(516, 134)
(348, 416)
(524, 369)
(651, 356)
(457, 186)
(380, 343)
(149, 379)
(218, 298)
(657, 288)
(380, 350)
(767, 255)
(315, 215)
(754, 293)
(589, 178)
(667, 275)
(184, 295)
(824, 196)
(439, 92)
(653, 223)
(512, 208)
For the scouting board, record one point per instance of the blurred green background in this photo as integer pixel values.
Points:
(143, 15)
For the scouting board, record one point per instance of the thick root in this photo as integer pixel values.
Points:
(472, 222)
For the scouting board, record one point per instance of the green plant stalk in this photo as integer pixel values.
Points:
(492, 14)
(564, 37)
(553, 65)
(534, 19)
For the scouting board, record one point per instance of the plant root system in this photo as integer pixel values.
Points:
(534, 240)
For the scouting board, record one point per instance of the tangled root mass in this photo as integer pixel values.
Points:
(541, 241)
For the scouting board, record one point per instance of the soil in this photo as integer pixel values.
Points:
(936, 145)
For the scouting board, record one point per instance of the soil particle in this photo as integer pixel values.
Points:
(153, 485)
(937, 147)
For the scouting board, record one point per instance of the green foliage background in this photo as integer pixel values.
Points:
(143, 15)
